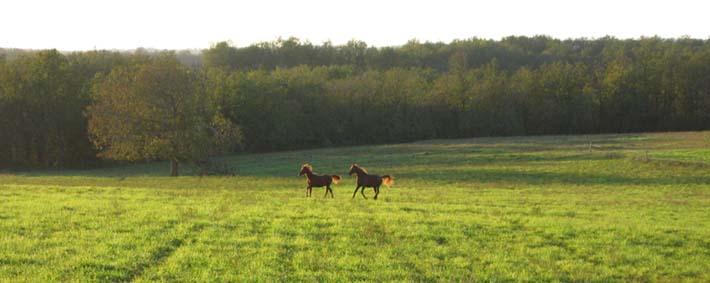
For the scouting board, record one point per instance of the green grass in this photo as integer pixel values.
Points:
(519, 209)
(690, 155)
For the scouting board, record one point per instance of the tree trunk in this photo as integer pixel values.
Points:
(173, 167)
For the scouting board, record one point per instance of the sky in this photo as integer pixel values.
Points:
(127, 24)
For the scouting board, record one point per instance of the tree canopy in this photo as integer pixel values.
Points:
(155, 111)
(291, 94)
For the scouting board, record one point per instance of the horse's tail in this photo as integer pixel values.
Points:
(387, 180)
(336, 179)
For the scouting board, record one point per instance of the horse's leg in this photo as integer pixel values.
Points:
(377, 192)
(362, 192)
(355, 192)
(306, 191)
(329, 190)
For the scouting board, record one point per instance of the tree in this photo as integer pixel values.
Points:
(291, 94)
(156, 110)
(221, 55)
(40, 111)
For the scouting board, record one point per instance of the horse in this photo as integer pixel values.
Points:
(364, 180)
(318, 180)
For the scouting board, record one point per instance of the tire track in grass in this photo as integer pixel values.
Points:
(162, 253)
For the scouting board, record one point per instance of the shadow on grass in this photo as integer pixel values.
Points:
(542, 178)
(288, 164)
(450, 173)
(153, 169)
(439, 155)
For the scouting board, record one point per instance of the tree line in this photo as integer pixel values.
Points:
(63, 110)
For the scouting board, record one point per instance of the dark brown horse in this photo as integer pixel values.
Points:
(369, 181)
(318, 180)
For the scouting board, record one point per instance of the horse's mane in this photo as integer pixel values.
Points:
(361, 168)
(310, 168)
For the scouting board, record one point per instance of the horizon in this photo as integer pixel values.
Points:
(304, 41)
(81, 25)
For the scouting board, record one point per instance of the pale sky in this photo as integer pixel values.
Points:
(127, 24)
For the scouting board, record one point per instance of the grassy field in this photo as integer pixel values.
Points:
(519, 209)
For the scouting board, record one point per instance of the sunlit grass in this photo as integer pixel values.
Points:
(491, 209)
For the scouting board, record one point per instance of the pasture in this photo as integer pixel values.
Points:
(519, 209)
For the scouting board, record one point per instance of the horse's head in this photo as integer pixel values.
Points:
(305, 168)
(353, 169)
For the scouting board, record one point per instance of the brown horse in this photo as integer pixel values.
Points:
(318, 180)
(366, 181)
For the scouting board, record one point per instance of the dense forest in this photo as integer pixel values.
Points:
(290, 94)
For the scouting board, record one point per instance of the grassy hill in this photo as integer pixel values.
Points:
(629, 208)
